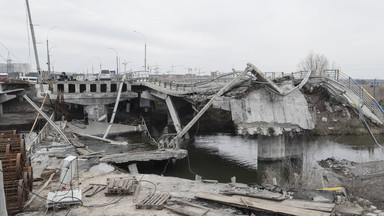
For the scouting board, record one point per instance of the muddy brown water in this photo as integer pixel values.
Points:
(221, 156)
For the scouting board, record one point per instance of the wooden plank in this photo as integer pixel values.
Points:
(270, 196)
(318, 206)
(259, 204)
(110, 183)
(121, 183)
(181, 210)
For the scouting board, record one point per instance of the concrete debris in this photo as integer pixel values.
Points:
(343, 167)
(328, 107)
(102, 168)
(323, 119)
(315, 195)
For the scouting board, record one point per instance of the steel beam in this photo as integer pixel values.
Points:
(47, 118)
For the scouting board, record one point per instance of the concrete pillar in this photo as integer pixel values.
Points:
(175, 117)
(55, 88)
(88, 87)
(271, 147)
(77, 88)
(3, 206)
(98, 87)
(66, 88)
(1, 109)
(109, 87)
(96, 111)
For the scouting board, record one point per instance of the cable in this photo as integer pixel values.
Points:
(362, 118)
(165, 168)
(24, 188)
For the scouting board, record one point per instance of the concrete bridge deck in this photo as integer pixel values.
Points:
(256, 109)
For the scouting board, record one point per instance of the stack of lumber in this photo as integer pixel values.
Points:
(16, 170)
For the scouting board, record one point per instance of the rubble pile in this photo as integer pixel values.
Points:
(342, 167)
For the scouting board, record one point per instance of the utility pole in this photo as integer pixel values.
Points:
(117, 60)
(145, 49)
(48, 49)
(374, 87)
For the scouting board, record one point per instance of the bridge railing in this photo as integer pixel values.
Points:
(184, 84)
(351, 84)
(274, 75)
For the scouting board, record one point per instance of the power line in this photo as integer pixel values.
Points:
(10, 51)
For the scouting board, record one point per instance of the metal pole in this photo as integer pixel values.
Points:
(47, 118)
(34, 47)
(48, 61)
(117, 64)
(37, 117)
(145, 50)
(117, 60)
(374, 87)
(115, 107)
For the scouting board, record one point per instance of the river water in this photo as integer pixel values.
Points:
(221, 156)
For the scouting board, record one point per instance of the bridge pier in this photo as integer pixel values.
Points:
(174, 115)
(272, 148)
(96, 111)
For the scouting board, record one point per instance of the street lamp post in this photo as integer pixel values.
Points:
(145, 50)
(48, 49)
(49, 59)
(100, 62)
(117, 60)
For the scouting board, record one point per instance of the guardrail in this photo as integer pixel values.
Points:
(351, 84)
(183, 84)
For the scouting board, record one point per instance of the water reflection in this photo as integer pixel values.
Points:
(221, 156)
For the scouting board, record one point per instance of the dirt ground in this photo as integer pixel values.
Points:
(100, 204)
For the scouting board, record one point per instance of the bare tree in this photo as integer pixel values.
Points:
(313, 62)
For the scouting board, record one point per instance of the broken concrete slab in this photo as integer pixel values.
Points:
(157, 155)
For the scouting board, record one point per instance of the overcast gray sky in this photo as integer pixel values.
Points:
(208, 35)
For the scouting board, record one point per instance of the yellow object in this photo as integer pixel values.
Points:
(331, 189)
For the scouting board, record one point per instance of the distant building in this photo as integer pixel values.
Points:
(15, 68)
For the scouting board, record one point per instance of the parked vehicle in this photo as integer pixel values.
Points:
(3, 77)
(29, 79)
(105, 75)
(92, 77)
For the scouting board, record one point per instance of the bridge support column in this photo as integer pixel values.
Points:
(77, 88)
(272, 148)
(96, 111)
(175, 117)
(1, 109)
(66, 88)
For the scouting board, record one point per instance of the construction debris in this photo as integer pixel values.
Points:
(63, 199)
(191, 209)
(93, 189)
(16, 169)
(266, 205)
(121, 186)
(153, 201)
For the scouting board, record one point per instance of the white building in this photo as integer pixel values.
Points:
(15, 67)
